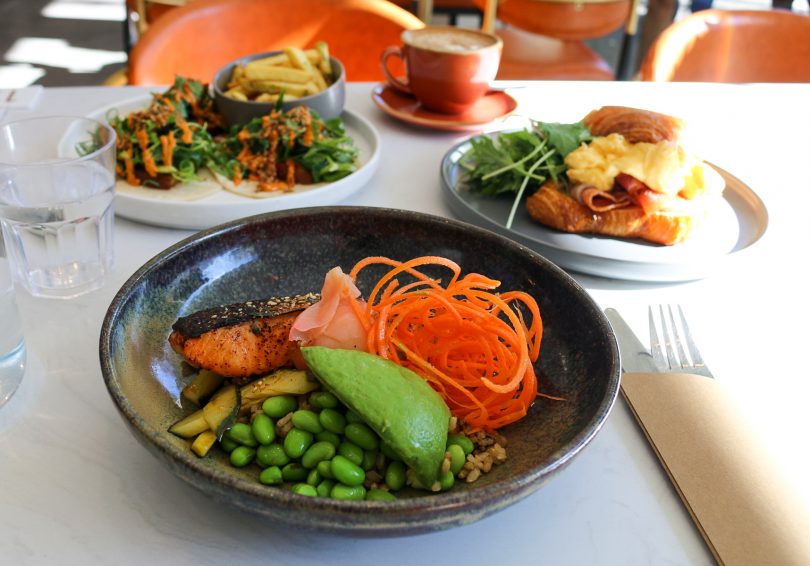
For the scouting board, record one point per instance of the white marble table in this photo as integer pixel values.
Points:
(76, 488)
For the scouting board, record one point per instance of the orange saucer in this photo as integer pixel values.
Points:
(492, 106)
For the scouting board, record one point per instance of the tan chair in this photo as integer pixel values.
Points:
(544, 39)
(196, 39)
(732, 46)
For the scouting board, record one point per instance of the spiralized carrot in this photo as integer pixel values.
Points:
(472, 344)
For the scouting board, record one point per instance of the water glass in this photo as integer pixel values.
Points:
(57, 183)
(12, 346)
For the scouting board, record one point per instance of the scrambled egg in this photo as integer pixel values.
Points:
(664, 167)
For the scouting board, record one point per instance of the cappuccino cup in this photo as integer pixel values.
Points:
(448, 69)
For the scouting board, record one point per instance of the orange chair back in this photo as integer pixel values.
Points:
(197, 39)
(732, 46)
(543, 39)
(563, 19)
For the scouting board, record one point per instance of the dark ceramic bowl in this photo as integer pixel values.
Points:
(328, 103)
(289, 252)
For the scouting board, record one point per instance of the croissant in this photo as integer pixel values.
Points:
(553, 208)
(634, 124)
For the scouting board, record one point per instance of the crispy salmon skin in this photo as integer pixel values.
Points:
(243, 339)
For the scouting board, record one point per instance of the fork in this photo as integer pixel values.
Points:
(664, 351)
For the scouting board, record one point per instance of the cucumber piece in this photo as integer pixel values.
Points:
(202, 387)
(203, 443)
(190, 426)
(223, 408)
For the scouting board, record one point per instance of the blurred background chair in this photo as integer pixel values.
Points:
(196, 39)
(545, 39)
(732, 46)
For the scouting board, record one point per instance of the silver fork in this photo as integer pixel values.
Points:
(664, 351)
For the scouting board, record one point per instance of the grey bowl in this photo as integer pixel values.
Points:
(328, 103)
(289, 252)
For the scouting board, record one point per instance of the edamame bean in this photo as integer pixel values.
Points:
(325, 469)
(332, 420)
(306, 420)
(228, 444)
(388, 452)
(278, 406)
(296, 442)
(271, 455)
(241, 433)
(380, 495)
(369, 459)
(355, 492)
(325, 488)
(362, 435)
(305, 489)
(317, 452)
(329, 437)
(457, 458)
(263, 428)
(242, 456)
(271, 476)
(447, 480)
(395, 475)
(314, 478)
(347, 472)
(294, 472)
(323, 400)
(461, 440)
(353, 417)
(351, 451)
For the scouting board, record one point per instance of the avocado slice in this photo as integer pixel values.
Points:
(394, 401)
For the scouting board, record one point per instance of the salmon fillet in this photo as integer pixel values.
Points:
(243, 339)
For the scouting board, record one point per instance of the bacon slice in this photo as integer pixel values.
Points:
(600, 201)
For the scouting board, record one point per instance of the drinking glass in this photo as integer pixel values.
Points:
(57, 182)
(12, 346)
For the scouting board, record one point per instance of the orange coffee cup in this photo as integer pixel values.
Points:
(448, 68)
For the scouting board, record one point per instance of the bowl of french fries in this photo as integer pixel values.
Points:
(255, 85)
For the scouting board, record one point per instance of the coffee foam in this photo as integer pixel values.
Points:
(448, 40)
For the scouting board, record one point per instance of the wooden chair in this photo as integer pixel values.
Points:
(544, 39)
(732, 46)
(196, 39)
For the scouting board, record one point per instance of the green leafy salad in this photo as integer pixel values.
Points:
(180, 134)
(281, 148)
(507, 163)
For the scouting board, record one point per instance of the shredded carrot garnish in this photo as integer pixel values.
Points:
(184, 127)
(132, 179)
(167, 144)
(473, 345)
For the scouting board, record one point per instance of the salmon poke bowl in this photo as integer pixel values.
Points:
(360, 371)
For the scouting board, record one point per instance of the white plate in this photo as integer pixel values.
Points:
(737, 222)
(225, 206)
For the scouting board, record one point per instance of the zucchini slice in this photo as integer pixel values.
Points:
(190, 426)
(223, 408)
(202, 387)
(280, 382)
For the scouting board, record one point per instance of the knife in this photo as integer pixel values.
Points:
(634, 354)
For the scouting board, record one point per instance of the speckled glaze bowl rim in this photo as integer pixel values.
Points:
(443, 510)
(217, 90)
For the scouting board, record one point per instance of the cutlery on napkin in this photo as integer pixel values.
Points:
(718, 462)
